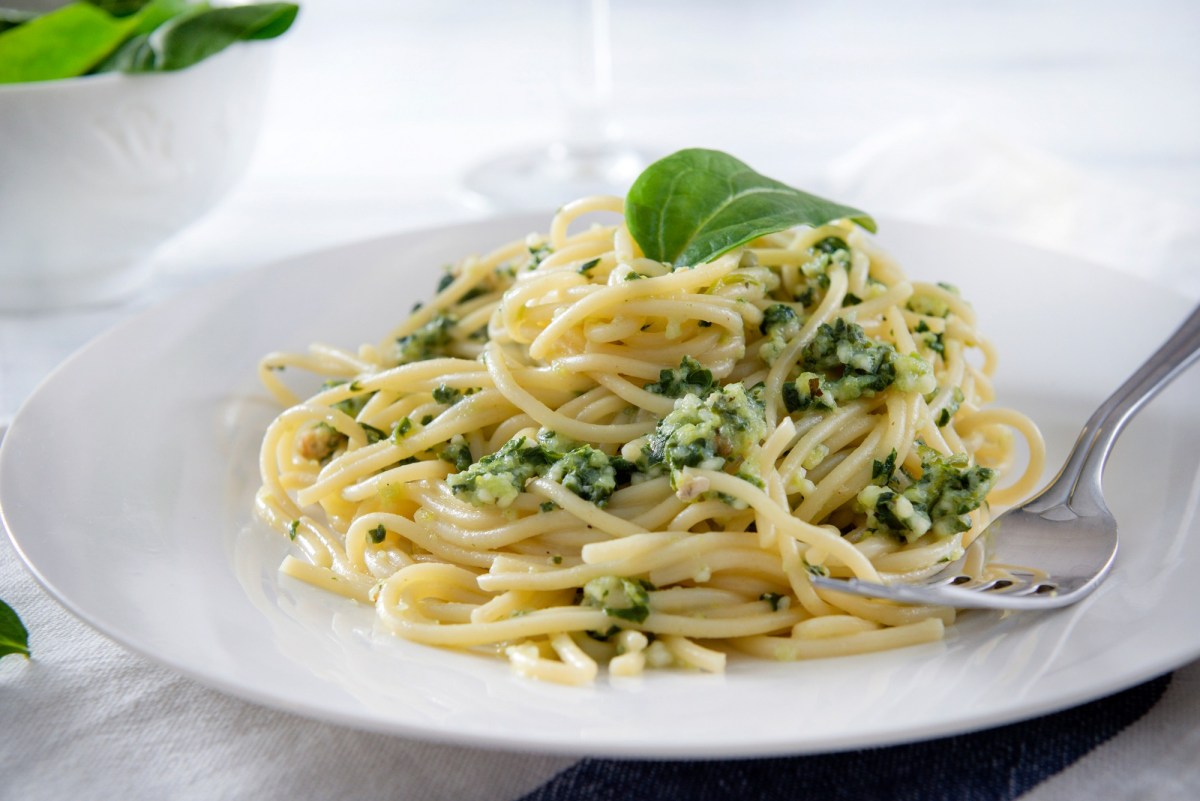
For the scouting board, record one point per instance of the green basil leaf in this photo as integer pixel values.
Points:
(62, 44)
(14, 639)
(188, 39)
(694, 205)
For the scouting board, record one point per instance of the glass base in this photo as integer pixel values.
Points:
(547, 177)
(50, 289)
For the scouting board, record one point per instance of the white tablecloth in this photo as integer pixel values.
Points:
(997, 116)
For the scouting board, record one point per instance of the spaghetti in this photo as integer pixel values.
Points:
(575, 455)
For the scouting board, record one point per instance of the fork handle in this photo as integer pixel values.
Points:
(1078, 483)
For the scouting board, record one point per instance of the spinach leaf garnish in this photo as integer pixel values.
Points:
(14, 637)
(694, 205)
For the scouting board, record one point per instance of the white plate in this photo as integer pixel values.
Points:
(126, 484)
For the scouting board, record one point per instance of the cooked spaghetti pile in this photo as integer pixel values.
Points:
(577, 455)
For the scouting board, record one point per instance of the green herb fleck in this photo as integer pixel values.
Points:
(401, 430)
(447, 396)
(773, 598)
(352, 405)
(538, 254)
(777, 316)
(427, 342)
(321, 441)
(690, 377)
(951, 408)
(780, 324)
(457, 453)
(831, 245)
(808, 391)
(586, 472)
(881, 472)
(624, 598)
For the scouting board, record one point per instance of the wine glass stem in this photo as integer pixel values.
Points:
(587, 122)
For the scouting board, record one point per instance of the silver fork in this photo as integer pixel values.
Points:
(1058, 546)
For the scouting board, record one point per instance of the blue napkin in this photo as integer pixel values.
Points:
(993, 765)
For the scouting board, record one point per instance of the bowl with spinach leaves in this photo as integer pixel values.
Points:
(121, 122)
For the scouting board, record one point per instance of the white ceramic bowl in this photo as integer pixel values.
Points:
(96, 172)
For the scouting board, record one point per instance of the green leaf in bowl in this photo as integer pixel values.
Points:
(62, 44)
(129, 36)
(185, 40)
(694, 205)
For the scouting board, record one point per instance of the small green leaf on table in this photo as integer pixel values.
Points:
(14, 638)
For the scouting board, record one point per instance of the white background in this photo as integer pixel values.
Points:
(1089, 110)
